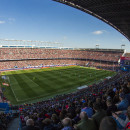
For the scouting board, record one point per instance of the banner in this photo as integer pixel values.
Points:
(5, 84)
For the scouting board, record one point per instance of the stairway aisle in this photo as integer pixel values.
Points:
(14, 124)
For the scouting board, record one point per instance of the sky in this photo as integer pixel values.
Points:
(46, 20)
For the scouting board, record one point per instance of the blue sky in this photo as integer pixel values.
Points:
(46, 20)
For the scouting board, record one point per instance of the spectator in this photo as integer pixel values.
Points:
(121, 118)
(85, 123)
(67, 123)
(88, 110)
(99, 114)
(110, 107)
(30, 125)
(124, 103)
(48, 124)
(108, 123)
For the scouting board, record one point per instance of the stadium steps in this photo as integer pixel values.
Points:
(14, 124)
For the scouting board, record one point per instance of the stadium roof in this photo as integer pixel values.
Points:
(114, 12)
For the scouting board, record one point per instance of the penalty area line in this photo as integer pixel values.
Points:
(13, 91)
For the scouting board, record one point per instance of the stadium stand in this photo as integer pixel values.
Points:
(5, 120)
(127, 55)
(25, 57)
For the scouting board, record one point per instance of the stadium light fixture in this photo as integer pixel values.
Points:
(97, 46)
(122, 45)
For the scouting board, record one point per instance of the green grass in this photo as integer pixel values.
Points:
(38, 84)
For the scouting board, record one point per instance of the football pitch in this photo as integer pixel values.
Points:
(38, 84)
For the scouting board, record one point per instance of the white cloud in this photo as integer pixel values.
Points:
(2, 22)
(98, 32)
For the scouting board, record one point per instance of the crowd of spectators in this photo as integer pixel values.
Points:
(34, 53)
(103, 65)
(24, 57)
(127, 55)
(102, 106)
(29, 63)
(2, 97)
(5, 120)
(40, 63)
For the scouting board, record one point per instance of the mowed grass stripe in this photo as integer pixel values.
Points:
(54, 82)
(16, 89)
(52, 79)
(31, 83)
(16, 86)
(43, 82)
(69, 79)
(64, 81)
(57, 80)
(61, 80)
(26, 87)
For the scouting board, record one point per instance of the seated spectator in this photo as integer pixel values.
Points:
(99, 101)
(110, 107)
(77, 117)
(67, 123)
(26, 118)
(85, 123)
(4, 120)
(123, 105)
(99, 114)
(47, 124)
(111, 93)
(62, 114)
(30, 125)
(88, 110)
(55, 119)
(121, 118)
(108, 123)
(71, 109)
